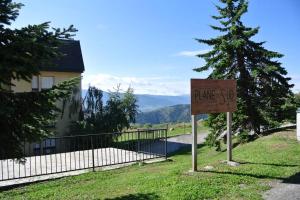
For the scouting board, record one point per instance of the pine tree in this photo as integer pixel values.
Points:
(25, 117)
(262, 85)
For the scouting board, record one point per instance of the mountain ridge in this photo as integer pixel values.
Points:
(169, 114)
(149, 102)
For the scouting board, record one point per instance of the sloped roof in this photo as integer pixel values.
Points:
(72, 60)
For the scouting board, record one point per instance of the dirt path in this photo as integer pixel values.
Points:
(286, 191)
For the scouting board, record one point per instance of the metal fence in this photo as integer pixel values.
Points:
(69, 153)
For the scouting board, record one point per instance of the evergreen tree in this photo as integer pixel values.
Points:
(25, 117)
(262, 85)
(297, 99)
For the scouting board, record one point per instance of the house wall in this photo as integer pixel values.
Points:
(63, 122)
(21, 86)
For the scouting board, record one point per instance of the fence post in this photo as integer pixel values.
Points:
(139, 144)
(166, 144)
(298, 124)
(93, 156)
(229, 133)
(194, 143)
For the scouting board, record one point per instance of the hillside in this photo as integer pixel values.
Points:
(264, 162)
(176, 113)
(149, 102)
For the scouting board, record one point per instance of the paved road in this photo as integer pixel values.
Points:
(183, 141)
(174, 144)
(187, 138)
(286, 191)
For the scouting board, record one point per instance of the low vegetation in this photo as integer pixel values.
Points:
(267, 159)
(174, 129)
(97, 116)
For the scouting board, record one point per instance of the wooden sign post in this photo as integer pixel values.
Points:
(229, 141)
(212, 96)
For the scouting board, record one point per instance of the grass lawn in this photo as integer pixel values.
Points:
(180, 128)
(174, 129)
(184, 128)
(274, 157)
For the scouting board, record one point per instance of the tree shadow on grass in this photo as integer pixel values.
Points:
(294, 179)
(274, 130)
(138, 196)
(268, 164)
(260, 176)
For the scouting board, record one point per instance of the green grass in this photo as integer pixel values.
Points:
(175, 129)
(274, 157)
(185, 128)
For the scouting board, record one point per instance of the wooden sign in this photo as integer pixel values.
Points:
(213, 96)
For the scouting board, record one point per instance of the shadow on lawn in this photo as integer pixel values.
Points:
(270, 164)
(260, 176)
(271, 131)
(138, 196)
(294, 179)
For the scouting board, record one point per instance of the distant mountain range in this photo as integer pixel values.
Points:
(152, 102)
(176, 113)
(149, 102)
(155, 109)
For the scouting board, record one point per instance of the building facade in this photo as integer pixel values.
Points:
(68, 66)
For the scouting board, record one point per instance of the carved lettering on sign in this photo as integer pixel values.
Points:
(213, 96)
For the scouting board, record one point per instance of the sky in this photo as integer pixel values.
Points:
(150, 44)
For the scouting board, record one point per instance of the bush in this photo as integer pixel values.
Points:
(211, 140)
(243, 137)
(147, 126)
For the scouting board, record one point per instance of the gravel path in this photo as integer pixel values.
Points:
(183, 141)
(286, 191)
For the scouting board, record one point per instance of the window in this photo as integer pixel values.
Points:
(47, 82)
(34, 84)
(48, 146)
(43, 82)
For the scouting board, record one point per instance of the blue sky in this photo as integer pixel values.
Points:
(149, 44)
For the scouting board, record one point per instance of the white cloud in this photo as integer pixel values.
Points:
(141, 85)
(192, 53)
